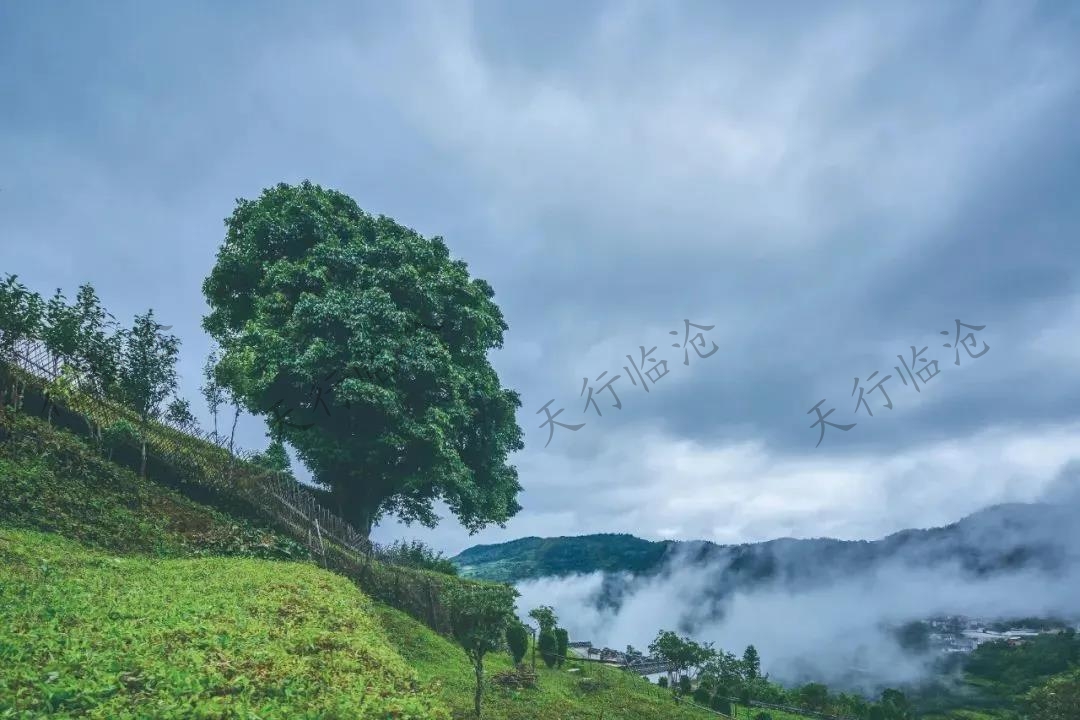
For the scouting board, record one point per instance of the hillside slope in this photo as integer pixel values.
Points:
(118, 599)
(83, 633)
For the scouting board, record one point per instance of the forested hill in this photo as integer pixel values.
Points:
(533, 557)
(999, 538)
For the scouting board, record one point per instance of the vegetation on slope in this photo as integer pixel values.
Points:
(559, 695)
(51, 480)
(534, 557)
(83, 633)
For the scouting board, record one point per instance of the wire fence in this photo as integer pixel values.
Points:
(280, 500)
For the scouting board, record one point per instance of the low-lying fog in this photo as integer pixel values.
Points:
(834, 633)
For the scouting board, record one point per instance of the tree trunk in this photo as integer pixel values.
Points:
(479, 686)
(232, 435)
(142, 470)
(353, 507)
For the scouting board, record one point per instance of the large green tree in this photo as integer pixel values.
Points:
(366, 344)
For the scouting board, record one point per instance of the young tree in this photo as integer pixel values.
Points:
(479, 615)
(178, 412)
(99, 343)
(21, 315)
(211, 391)
(544, 617)
(309, 287)
(517, 639)
(562, 642)
(751, 663)
(148, 374)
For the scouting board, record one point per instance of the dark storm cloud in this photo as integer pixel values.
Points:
(827, 188)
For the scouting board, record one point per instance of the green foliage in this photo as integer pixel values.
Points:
(517, 640)
(52, 481)
(813, 696)
(275, 459)
(545, 617)
(211, 391)
(308, 287)
(179, 413)
(478, 619)
(418, 555)
(751, 663)
(684, 685)
(83, 336)
(683, 653)
(549, 647)
(721, 704)
(662, 681)
(1017, 669)
(21, 314)
(84, 634)
(148, 374)
(562, 642)
(1058, 699)
(534, 557)
(558, 695)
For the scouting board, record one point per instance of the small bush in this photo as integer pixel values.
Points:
(517, 638)
(562, 642)
(662, 682)
(416, 554)
(721, 704)
(548, 647)
(684, 685)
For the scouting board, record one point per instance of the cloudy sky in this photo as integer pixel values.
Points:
(826, 187)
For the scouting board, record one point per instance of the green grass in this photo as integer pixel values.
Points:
(558, 695)
(83, 634)
(51, 480)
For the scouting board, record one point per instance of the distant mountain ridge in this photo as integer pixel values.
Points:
(1000, 538)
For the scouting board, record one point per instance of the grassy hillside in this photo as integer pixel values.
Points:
(118, 599)
(101, 636)
(560, 695)
(84, 633)
(50, 480)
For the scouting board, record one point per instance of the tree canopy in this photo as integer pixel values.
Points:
(371, 342)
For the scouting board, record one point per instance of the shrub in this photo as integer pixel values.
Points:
(548, 647)
(721, 704)
(416, 554)
(702, 696)
(684, 685)
(517, 638)
(562, 642)
(662, 681)
(763, 716)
